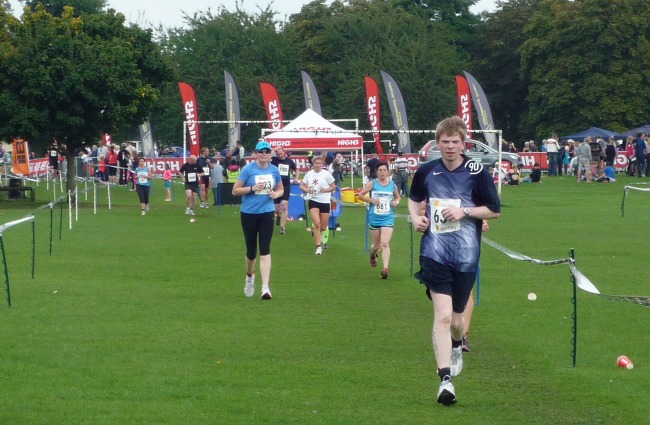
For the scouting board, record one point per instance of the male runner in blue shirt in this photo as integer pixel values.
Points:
(459, 194)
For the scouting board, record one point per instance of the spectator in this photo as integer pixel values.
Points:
(535, 176)
(552, 149)
(167, 178)
(610, 152)
(371, 166)
(402, 173)
(607, 175)
(111, 164)
(640, 150)
(123, 158)
(513, 175)
(217, 173)
(583, 152)
(631, 159)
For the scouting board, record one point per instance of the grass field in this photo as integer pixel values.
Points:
(143, 320)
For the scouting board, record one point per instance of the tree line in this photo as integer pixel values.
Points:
(545, 65)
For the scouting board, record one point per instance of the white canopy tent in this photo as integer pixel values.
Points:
(311, 132)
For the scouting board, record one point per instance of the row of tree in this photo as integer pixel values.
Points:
(546, 65)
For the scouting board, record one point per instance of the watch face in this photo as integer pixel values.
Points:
(466, 211)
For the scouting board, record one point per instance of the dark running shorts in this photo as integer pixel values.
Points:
(442, 280)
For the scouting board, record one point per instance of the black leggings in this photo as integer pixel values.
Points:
(143, 193)
(254, 225)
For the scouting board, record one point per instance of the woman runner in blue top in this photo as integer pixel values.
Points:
(259, 183)
(383, 196)
(143, 184)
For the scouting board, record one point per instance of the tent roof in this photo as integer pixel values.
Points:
(590, 132)
(634, 131)
(310, 131)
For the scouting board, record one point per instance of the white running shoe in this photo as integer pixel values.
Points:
(319, 250)
(446, 393)
(456, 361)
(249, 289)
(187, 211)
(143, 212)
(192, 212)
(266, 292)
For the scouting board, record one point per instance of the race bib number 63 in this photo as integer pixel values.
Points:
(439, 224)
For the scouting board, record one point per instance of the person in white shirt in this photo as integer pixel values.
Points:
(318, 185)
(552, 149)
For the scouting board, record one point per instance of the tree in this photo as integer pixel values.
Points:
(56, 7)
(588, 63)
(73, 77)
(496, 64)
(252, 47)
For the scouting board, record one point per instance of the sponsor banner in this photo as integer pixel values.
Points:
(464, 99)
(148, 150)
(272, 105)
(311, 96)
(398, 110)
(333, 143)
(482, 110)
(374, 115)
(232, 110)
(191, 116)
(528, 159)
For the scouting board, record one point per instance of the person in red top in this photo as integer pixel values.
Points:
(111, 164)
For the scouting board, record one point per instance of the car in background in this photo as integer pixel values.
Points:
(476, 150)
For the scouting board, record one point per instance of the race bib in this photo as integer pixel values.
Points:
(439, 224)
(206, 170)
(385, 198)
(266, 180)
(284, 169)
(54, 153)
(142, 178)
(191, 177)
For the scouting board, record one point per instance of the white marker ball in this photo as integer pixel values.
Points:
(192, 220)
(532, 296)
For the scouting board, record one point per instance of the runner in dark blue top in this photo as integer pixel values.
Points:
(458, 193)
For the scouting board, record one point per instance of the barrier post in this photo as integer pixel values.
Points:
(4, 262)
(574, 316)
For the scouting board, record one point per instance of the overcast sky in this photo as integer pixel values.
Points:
(169, 13)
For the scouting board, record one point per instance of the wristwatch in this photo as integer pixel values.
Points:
(466, 211)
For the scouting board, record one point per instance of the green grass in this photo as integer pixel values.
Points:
(143, 320)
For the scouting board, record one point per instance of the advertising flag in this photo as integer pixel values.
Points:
(107, 139)
(483, 112)
(191, 116)
(20, 153)
(147, 140)
(464, 99)
(311, 96)
(272, 105)
(232, 109)
(372, 105)
(398, 110)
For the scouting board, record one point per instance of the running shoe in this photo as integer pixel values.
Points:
(319, 250)
(456, 360)
(384, 274)
(192, 212)
(277, 220)
(266, 292)
(446, 392)
(249, 289)
(373, 259)
(187, 211)
(466, 348)
(282, 230)
(143, 212)
(325, 247)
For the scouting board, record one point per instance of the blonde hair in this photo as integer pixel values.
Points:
(451, 126)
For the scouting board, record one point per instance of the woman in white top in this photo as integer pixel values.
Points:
(318, 185)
